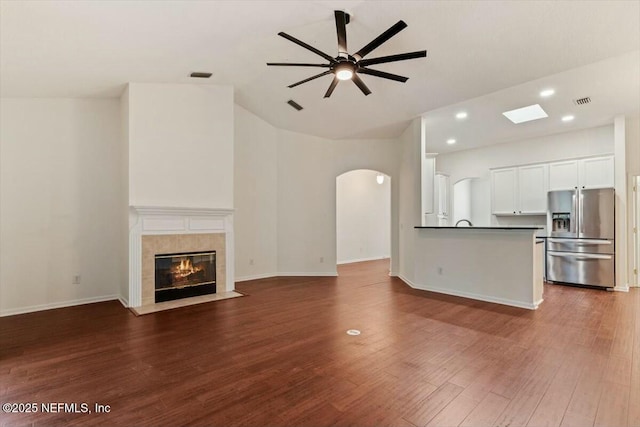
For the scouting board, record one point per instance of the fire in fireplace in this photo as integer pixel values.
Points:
(184, 275)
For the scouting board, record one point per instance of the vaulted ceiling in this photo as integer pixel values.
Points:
(475, 50)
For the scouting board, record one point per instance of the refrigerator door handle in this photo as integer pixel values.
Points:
(580, 213)
(583, 241)
(580, 256)
(573, 225)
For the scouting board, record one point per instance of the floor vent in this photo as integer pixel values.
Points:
(582, 101)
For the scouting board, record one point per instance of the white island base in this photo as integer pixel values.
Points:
(500, 265)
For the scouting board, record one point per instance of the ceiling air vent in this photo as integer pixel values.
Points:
(200, 75)
(294, 104)
(582, 101)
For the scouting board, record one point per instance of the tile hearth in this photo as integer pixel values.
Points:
(169, 305)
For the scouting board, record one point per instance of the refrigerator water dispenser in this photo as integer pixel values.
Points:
(561, 221)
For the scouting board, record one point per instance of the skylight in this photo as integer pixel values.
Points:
(526, 114)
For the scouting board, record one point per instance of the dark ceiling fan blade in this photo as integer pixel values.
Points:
(363, 87)
(382, 74)
(295, 64)
(393, 58)
(341, 29)
(306, 46)
(395, 29)
(332, 86)
(310, 78)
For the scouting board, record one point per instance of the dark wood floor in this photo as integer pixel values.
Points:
(281, 357)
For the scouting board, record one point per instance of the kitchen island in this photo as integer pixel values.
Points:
(503, 265)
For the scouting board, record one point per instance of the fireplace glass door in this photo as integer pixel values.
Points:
(183, 275)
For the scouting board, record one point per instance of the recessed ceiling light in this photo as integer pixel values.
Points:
(451, 141)
(567, 118)
(461, 115)
(547, 92)
(526, 114)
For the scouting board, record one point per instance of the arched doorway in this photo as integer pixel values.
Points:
(363, 216)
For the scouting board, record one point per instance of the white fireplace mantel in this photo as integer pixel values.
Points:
(154, 220)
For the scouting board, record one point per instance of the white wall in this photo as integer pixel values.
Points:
(255, 196)
(477, 162)
(60, 202)
(124, 194)
(410, 204)
(307, 169)
(363, 217)
(632, 140)
(180, 145)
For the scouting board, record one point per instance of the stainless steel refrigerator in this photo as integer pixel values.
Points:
(580, 242)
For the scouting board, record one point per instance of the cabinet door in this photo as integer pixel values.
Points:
(596, 172)
(503, 191)
(563, 175)
(443, 194)
(532, 189)
(428, 169)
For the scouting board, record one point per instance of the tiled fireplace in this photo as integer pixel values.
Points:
(157, 231)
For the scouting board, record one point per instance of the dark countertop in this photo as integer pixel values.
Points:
(479, 228)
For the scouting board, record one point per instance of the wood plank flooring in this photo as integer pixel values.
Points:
(281, 357)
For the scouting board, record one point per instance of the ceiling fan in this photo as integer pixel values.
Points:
(347, 67)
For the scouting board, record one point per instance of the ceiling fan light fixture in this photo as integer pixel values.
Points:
(344, 72)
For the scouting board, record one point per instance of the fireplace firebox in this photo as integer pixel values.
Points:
(183, 275)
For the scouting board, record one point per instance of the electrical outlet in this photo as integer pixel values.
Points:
(321, 259)
(76, 279)
(251, 261)
(440, 271)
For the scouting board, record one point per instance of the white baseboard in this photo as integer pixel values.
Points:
(62, 304)
(255, 277)
(123, 301)
(308, 274)
(623, 288)
(351, 261)
(470, 295)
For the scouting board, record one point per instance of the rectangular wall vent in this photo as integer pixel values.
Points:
(294, 104)
(582, 101)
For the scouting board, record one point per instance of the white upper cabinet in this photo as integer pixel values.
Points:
(503, 191)
(532, 189)
(563, 175)
(519, 190)
(595, 172)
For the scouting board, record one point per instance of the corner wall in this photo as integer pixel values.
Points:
(256, 196)
(410, 203)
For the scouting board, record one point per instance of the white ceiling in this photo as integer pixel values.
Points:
(482, 56)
